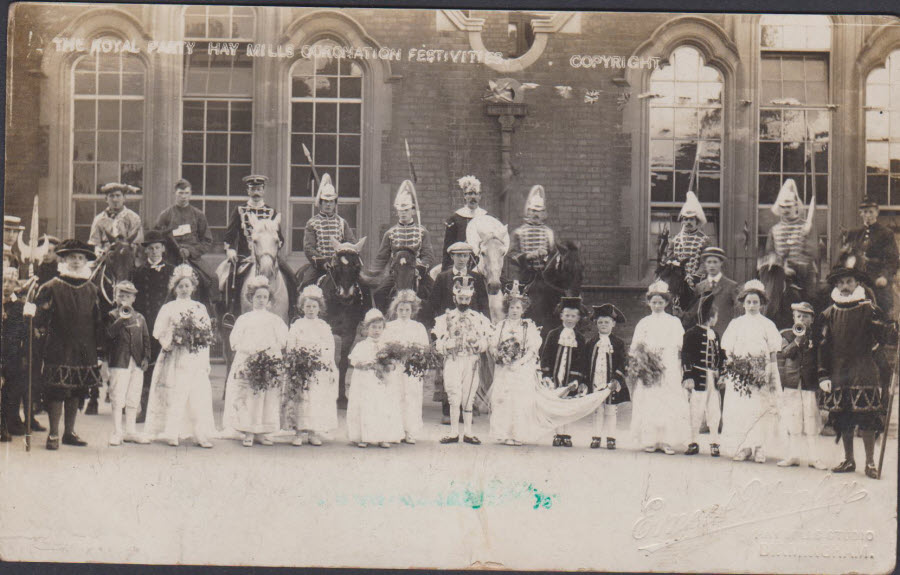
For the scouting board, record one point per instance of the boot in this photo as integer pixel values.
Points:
(693, 449)
(557, 441)
(595, 442)
(610, 442)
(714, 449)
(845, 466)
(35, 426)
(567, 441)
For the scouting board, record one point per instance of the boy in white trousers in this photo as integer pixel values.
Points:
(129, 356)
(607, 367)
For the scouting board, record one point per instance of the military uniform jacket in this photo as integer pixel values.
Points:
(189, 229)
(410, 236)
(319, 233)
(69, 314)
(441, 298)
(700, 352)
(531, 238)
(788, 241)
(797, 360)
(237, 235)
(127, 339)
(556, 360)
(615, 368)
(686, 248)
(109, 226)
(878, 244)
(456, 231)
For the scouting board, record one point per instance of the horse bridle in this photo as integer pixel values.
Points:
(555, 261)
(329, 269)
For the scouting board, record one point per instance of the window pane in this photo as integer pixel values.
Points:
(326, 87)
(686, 93)
(133, 84)
(686, 124)
(821, 158)
(241, 116)
(193, 115)
(108, 146)
(85, 116)
(242, 26)
(348, 182)
(662, 153)
(300, 182)
(85, 211)
(662, 122)
(769, 157)
(350, 213)
(326, 150)
(132, 147)
(108, 112)
(302, 117)
(83, 179)
(710, 93)
(685, 154)
(768, 188)
(215, 214)
(351, 87)
(349, 150)
(192, 148)
(193, 174)
(240, 148)
(217, 148)
(876, 158)
(326, 118)
(107, 172)
(660, 186)
(663, 92)
(236, 177)
(794, 90)
(133, 115)
(132, 174)
(216, 180)
(895, 158)
(795, 126)
(108, 84)
(711, 123)
(682, 181)
(83, 146)
(709, 188)
(895, 190)
(302, 86)
(793, 157)
(770, 124)
(85, 83)
(350, 118)
(217, 116)
(326, 66)
(710, 157)
(298, 157)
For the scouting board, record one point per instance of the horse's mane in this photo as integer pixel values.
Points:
(269, 226)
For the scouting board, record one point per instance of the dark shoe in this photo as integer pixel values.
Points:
(471, 439)
(449, 439)
(15, 427)
(693, 449)
(36, 426)
(846, 466)
(557, 441)
(91, 409)
(871, 471)
(72, 439)
(5, 437)
(567, 441)
(52, 443)
(714, 449)
(595, 442)
(610, 442)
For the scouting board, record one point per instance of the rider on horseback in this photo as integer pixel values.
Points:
(791, 242)
(532, 242)
(116, 222)
(687, 244)
(326, 225)
(459, 221)
(405, 235)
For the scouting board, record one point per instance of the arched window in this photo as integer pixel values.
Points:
(107, 131)
(794, 116)
(883, 134)
(685, 139)
(217, 110)
(326, 117)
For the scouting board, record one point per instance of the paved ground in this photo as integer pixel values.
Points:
(436, 505)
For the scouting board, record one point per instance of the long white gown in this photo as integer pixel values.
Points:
(751, 420)
(661, 413)
(245, 410)
(180, 403)
(316, 408)
(373, 415)
(409, 387)
(512, 391)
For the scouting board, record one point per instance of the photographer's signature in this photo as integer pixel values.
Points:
(755, 502)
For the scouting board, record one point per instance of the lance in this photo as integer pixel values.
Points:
(33, 239)
(810, 138)
(412, 175)
(311, 164)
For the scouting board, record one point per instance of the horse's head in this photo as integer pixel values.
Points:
(403, 269)
(662, 245)
(265, 244)
(565, 268)
(490, 240)
(121, 259)
(345, 268)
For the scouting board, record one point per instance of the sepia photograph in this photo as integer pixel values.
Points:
(431, 288)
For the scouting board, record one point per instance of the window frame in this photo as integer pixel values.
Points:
(893, 115)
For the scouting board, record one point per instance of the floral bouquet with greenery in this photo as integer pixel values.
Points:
(748, 373)
(262, 371)
(509, 351)
(192, 332)
(419, 359)
(300, 365)
(645, 366)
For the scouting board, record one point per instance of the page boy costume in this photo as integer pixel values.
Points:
(702, 359)
(607, 364)
(564, 357)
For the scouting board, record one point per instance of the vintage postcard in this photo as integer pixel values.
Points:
(394, 288)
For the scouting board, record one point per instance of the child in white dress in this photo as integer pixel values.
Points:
(404, 330)
(256, 413)
(314, 411)
(660, 416)
(180, 402)
(373, 415)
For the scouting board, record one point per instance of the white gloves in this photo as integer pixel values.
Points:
(825, 385)
(29, 309)
(231, 254)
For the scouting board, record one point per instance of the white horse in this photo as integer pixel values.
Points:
(489, 239)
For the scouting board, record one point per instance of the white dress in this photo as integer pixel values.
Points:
(246, 410)
(408, 332)
(750, 420)
(512, 401)
(316, 408)
(180, 403)
(661, 413)
(373, 415)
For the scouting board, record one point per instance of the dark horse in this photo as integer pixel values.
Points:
(780, 291)
(346, 303)
(403, 275)
(562, 276)
(672, 272)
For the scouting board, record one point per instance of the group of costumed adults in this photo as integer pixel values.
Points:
(571, 372)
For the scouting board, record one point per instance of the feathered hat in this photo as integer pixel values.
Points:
(326, 190)
(467, 183)
(847, 266)
(536, 199)
(753, 286)
(75, 246)
(788, 196)
(405, 198)
(692, 208)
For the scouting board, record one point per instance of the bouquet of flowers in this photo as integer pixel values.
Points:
(388, 355)
(262, 370)
(645, 366)
(747, 373)
(300, 365)
(509, 351)
(419, 359)
(192, 333)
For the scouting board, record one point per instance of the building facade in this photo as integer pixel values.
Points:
(618, 116)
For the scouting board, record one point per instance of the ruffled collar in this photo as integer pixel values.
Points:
(858, 295)
(469, 213)
(83, 274)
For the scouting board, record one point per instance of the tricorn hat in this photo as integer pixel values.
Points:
(74, 246)
(609, 310)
